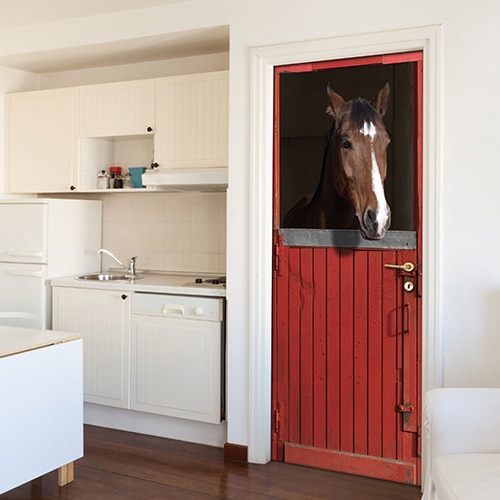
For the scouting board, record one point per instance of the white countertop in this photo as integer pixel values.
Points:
(181, 284)
(14, 340)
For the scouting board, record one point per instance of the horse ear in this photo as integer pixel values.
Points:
(335, 102)
(382, 99)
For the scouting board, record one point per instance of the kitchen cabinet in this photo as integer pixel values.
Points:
(102, 318)
(192, 120)
(41, 146)
(117, 109)
(147, 351)
(57, 140)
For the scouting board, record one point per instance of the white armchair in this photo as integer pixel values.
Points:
(463, 444)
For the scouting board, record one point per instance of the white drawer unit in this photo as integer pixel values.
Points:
(177, 356)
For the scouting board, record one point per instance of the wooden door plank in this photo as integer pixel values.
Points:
(374, 361)
(352, 463)
(390, 371)
(360, 323)
(280, 352)
(319, 348)
(333, 349)
(346, 350)
(293, 342)
(306, 346)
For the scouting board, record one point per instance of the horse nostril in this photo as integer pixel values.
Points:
(371, 219)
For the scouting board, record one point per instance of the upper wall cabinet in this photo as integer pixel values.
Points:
(58, 140)
(117, 109)
(41, 141)
(192, 120)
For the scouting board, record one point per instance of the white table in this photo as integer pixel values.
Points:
(41, 404)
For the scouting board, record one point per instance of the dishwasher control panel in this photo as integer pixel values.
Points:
(178, 306)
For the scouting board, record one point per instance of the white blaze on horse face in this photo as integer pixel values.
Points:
(369, 129)
(382, 215)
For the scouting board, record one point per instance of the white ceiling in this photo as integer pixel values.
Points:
(27, 12)
(168, 46)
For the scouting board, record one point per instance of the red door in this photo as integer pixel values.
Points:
(346, 324)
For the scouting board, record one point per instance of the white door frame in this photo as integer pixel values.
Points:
(263, 60)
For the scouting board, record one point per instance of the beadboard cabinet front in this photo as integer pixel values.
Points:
(192, 120)
(102, 318)
(42, 141)
(117, 109)
(57, 140)
(176, 367)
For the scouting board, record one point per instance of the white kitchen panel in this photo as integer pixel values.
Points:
(41, 422)
(115, 109)
(176, 367)
(23, 289)
(64, 234)
(22, 227)
(101, 317)
(41, 140)
(43, 238)
(192, 120)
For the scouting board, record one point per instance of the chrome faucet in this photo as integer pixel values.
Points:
(130, 269)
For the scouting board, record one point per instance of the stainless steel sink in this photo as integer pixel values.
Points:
(109, 277)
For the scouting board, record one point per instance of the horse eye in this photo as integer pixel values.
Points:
(346, 144)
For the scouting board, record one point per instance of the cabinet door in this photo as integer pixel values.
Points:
(101, 317)
(117, 109)
(23, 230)
(192, 121)
(24, 289)
(176, 367)
(42, 141)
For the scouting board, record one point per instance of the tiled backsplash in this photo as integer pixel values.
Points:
(167, 231)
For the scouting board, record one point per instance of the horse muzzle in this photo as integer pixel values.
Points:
(373, 225)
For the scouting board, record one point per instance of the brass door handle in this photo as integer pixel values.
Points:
(407, 266)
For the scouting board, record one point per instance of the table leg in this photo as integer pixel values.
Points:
(66, 474)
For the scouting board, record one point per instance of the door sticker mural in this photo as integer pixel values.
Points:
(346, 382)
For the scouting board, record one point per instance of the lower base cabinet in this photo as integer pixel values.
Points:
(154, 364)
(102, 318)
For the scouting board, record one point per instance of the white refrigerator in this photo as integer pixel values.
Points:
(41, 239)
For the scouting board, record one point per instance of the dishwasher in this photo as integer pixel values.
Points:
(177, 356)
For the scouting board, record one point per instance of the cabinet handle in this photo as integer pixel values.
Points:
(25, 253)
(154, 165)
(124, 296)
(34, 274)
(72, 188)
(149, 129)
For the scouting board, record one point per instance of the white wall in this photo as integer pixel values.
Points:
(466, 238)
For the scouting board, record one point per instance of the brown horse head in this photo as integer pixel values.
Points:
(358, 158)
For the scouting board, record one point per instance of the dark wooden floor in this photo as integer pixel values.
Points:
(122, 465)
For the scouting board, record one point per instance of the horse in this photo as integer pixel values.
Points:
(351, 184)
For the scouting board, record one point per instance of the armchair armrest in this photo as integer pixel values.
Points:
(462, 420)
(459, 420)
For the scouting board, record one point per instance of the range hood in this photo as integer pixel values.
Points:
(186, 179)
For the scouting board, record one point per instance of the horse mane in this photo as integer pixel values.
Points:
(363, 112)
(328, 138)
